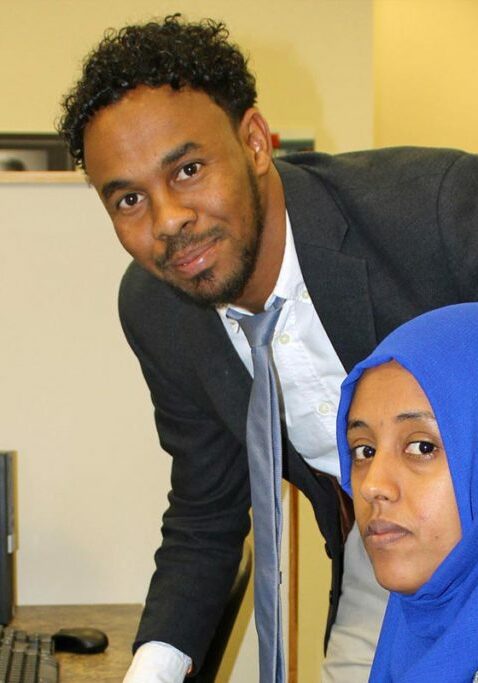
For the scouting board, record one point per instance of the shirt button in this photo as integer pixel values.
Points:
(324, 408)
(305, 295)
(284, 338)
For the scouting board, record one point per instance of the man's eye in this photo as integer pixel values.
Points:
(420, 448)
(362, 452)
(130, 200)
(189, 170)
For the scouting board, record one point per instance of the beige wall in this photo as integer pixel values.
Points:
(425, 62)
(313, 60)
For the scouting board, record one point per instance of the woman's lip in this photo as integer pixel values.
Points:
(383, 532)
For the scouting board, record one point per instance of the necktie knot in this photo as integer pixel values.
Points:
(259, 328)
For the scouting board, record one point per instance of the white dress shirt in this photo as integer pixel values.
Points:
(309, 371)
(309, 376)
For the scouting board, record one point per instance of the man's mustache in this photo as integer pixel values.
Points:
(177, 243)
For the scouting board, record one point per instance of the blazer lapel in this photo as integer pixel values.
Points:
(338, 287)
(337, 282)
(221, 371)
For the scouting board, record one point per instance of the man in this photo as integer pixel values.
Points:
(164, 122)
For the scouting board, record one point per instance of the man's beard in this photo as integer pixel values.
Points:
(234, 283)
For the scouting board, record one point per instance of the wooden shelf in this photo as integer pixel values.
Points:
(42, 177)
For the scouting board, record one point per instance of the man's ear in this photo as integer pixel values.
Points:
(256, 138)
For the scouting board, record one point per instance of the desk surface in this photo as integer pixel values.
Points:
(119, 622)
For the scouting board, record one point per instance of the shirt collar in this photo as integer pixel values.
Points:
(290, 283)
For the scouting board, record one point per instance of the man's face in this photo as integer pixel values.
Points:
(178, 183)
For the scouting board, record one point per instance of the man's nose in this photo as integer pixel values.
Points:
(381, 481)
(170, 214)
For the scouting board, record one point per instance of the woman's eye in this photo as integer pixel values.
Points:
(189, 170)
(130, 200)
(362, 452)
(420, 448)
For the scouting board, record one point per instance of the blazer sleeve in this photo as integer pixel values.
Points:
(457, 217)
(208, 515)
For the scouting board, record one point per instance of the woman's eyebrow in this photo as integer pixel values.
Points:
(416, 415)
(402, 417)
(353, 424)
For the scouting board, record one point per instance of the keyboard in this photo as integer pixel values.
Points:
(27, 657)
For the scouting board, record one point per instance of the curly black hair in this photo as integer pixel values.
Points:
(172, 52)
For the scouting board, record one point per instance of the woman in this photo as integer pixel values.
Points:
(408, 443)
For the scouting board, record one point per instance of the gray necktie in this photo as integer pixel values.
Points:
(265, 471)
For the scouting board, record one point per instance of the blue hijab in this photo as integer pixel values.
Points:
(432, 635)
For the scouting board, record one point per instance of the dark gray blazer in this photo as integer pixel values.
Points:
(381, 237)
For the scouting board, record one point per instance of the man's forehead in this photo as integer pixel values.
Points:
(154, 125)
(175, 116)
(163, 102)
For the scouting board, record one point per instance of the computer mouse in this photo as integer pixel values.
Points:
(81, 641)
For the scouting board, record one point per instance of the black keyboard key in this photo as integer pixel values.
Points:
(46, 644)
(31, 665)
(47, 670)
(5, 656)
(16, 666)
(27, 657)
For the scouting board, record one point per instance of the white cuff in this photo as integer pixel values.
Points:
(157, 662)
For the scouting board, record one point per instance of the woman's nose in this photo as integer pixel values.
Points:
(381, 480)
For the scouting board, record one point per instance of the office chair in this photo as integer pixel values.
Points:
(215, 653)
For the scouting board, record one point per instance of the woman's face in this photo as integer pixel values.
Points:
(403, 494)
